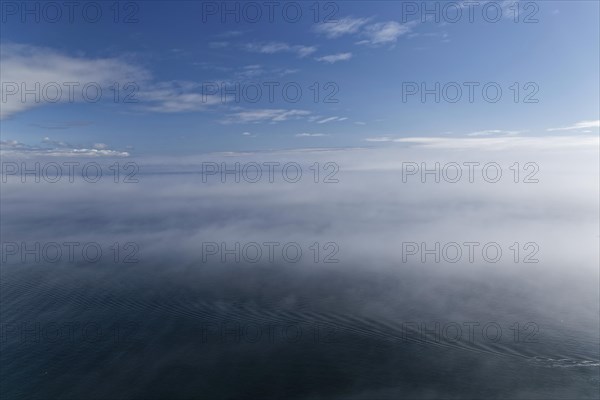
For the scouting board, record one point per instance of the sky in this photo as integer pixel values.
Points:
(169, 74)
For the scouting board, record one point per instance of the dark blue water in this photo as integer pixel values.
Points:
(265, 332)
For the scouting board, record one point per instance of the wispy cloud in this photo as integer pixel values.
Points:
(333, 58)
(383, 33)
(305, 134)
(491, 132)
(278, 47)
(304, 51)
(229, 34)
(381, 139)
(29, 66)
(374, 34)
(176, 97)
(495, 143)
(61, 124)
(341, 27)
(330, 119)
(55, 148)
(578, 125)
(269, 115)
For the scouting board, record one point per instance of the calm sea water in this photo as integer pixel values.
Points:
(221, 332)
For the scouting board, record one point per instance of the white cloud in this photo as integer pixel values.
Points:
(250, 71)
(255, 70)
(265, 115)
(491, 132)
(384, 33)
(176, 97)
(278, 47)
(55, 125)
(228, 34)
(376, 34)
(28, 66)
(31, 65)
(578, 125)
(56, 143)
(268, 48)
(341, 27)
(305, 134)
(331, 119)
(495, 143)
(333, 58)
(57, 149)
(380, 139)
(304, 51)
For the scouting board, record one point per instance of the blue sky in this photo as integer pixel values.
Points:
(362, 59)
